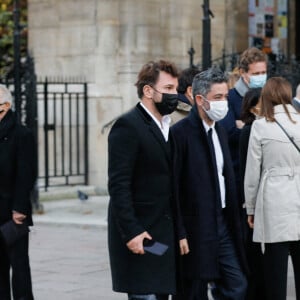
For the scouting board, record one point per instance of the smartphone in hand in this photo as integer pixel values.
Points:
(154, 247)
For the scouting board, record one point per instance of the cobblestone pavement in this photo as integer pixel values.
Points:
(68, 252)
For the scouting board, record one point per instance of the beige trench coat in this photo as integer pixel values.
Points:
(272, 178)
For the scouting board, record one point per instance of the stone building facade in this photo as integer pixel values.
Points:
(107, 41)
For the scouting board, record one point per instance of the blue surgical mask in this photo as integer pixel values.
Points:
(257, 81)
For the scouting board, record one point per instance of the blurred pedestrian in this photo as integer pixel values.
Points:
(185, 95)
(17, 177)
(296, 99)
(272, 181)
(233, 77)
(140, 188)
(251, 110)
(209, 223)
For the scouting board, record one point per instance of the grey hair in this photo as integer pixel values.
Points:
(203, 81)
(5, 94)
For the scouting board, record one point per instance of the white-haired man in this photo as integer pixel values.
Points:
(17, 176)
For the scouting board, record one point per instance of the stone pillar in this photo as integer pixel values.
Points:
(107, 41)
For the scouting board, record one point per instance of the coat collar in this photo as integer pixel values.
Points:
(280, 109)
(197, 121)
(241, 87)
(296, 104)
(155, 131)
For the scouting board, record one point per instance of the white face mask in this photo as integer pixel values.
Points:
(218, 109)
(257, 81)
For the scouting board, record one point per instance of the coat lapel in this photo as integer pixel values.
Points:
(155, 131)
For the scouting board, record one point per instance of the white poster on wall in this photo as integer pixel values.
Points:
(282, 6)
(251, 7)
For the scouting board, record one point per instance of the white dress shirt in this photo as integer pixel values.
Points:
(164, 125)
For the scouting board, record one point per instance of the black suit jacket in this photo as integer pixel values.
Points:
(139, 185)
(17, 168)
(196, 192)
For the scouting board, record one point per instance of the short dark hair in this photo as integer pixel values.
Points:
(250, 56)
(185, 78)
(149, 73)
(249, 101)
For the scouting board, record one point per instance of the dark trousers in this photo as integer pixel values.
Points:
(256, 283)
(233, 283)
(192, 290)
(147, 297)
(276, 266)
(17, 259)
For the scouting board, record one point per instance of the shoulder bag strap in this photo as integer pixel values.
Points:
(290, 138)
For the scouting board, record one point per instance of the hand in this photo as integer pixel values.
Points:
(251, 221)
(135, 245)
(18, 217)
(184, 247)
(239, 124)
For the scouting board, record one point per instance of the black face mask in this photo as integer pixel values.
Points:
(168, 104)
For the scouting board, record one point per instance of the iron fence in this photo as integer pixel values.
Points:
(63, 132)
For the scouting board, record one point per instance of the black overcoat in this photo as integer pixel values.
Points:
(196, 193)
(140, 200)
(17, 168)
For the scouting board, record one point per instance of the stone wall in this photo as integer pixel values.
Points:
(107, 41)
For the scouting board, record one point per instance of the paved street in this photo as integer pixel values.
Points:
(70, 263)
(68, 251)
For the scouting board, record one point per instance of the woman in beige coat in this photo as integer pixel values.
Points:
(272, 186)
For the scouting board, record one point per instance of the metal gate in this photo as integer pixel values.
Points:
(63, 133)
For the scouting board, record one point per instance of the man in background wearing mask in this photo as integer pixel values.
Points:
(208, 220)
(296, 100)
(185, 97)
(253, 74)
(140, 188)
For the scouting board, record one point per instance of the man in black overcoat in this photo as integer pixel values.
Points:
(17, 177)
(209, 216)
(140, 188)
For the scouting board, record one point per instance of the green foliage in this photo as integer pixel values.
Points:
(7, 34)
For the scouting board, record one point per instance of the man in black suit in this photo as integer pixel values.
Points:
(140, 188)
(17, 177)
(209, 219)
